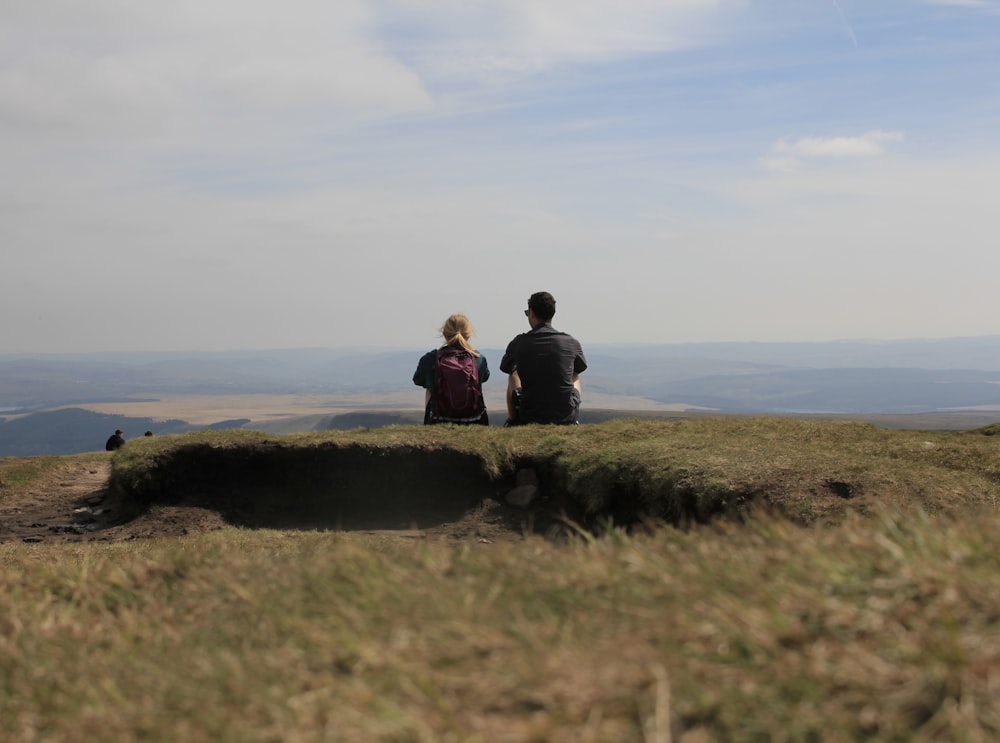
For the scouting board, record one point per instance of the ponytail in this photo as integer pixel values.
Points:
(456, 332)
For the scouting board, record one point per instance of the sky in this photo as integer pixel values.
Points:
(245, 174)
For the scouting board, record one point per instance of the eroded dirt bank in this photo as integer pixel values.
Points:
(405, 490)
(409, 495)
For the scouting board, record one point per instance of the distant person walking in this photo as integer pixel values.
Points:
(452, 377)
(115, 441)
(544, 367)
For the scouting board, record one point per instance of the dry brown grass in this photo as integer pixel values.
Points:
(871, 630)
(880, 624)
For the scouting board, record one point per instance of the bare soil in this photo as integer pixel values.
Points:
(70, 503)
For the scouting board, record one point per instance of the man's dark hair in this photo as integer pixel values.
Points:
(543, 305)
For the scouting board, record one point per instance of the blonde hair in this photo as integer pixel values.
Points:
(456, 332)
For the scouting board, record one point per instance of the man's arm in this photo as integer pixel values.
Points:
(513, 382)
(508, 365)
(579, 360)
(509, 361)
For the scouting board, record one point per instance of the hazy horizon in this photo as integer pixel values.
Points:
(498, 348)
(251, 175)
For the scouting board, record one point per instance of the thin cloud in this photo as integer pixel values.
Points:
(301, 151)
(787, 155)
(847, 25)
(112, 71)
(985, 4)
(115, 72)
(493, 41)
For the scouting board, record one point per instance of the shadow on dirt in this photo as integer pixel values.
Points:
(348, 488)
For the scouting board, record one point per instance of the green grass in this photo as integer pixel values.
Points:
(677, 471)
(20, 472)
(871, 630)
(878, 620)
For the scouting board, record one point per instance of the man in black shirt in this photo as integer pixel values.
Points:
(544, 367)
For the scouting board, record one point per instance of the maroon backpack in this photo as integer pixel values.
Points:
(457, 395)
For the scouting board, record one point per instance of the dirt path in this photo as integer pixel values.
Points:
(62, 505)
(68, 503)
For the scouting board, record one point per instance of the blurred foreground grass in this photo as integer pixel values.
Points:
(876, 629)
(881, 625)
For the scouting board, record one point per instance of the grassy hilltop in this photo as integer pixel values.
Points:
(620, 471)
(830, 581)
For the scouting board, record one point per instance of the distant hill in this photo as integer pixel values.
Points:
(975, 352)
(44, 381)
(833, 391)
(73, 430)
(844, 377)
(886, 377)
(38, 382)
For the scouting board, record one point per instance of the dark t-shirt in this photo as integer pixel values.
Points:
(546, 360)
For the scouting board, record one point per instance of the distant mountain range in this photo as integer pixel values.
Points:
(846, 377)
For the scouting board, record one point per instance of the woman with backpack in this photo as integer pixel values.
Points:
(453, 377)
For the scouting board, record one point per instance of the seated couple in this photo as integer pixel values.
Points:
(543, 365)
